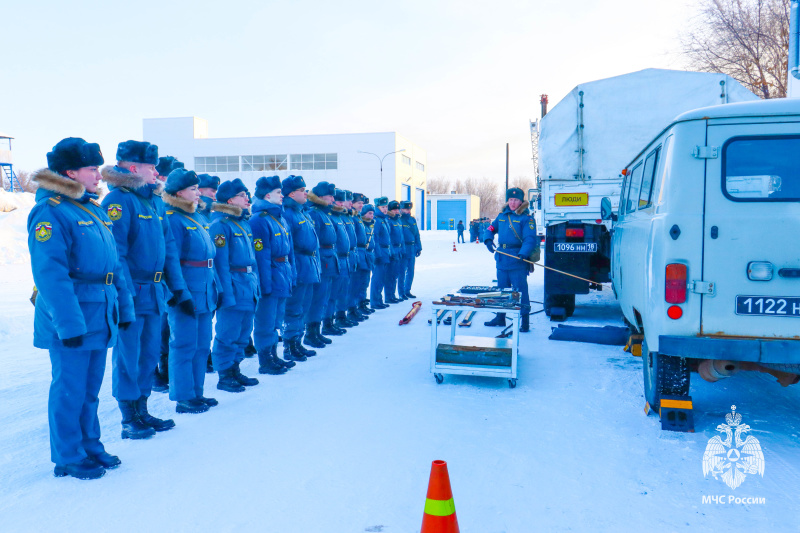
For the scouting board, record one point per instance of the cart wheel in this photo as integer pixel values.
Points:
(439, 378)
(512, 383)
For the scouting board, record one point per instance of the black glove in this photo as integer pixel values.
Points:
(187, 307)
(73, 342)
(220, 298)
(176, 297)
(124, 325)
(419, 254)
(490, 245)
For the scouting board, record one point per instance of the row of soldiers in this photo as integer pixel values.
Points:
(153, 257)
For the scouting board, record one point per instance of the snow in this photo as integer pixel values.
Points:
(344, 442)
(621, 115)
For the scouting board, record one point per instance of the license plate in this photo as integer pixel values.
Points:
(768, 306)
(574, 246)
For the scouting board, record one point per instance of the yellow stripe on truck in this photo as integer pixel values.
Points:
(571, 198)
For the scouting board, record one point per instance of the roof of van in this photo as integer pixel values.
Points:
(771, 108)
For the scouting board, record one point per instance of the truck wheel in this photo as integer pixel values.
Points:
(568, 303)
(549, 302)
(663, 375)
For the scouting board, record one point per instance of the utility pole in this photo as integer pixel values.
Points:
(506, 166)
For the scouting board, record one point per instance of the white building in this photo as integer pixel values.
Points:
(334, 158)
(446, 210)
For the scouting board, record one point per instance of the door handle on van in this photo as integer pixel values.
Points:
(789, 272)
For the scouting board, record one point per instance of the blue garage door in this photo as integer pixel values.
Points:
(405, 192)
(419, 205)
(449, 212)
(428, 209)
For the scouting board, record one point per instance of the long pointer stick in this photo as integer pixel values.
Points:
(548, 268)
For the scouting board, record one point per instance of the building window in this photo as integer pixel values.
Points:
(223, 163)
(259, 163)
(407, 160)
(314, 161)
(420, 167)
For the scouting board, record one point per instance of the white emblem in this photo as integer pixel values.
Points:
(733, 460)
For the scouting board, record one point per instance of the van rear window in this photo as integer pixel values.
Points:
(761, 169)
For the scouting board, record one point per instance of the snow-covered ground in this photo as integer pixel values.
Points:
(344, 442)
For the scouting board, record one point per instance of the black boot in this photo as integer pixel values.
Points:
(228, 381)
(155, 423)
(410, 295)
(318, 335)
(298, 346)
(209, 365)
(354, 314)
(378, 305)
(311, 338)
(365, 308)
(250, 351)
(343, 322)
(88, 468)
(498, 320)
(241, 378)
(161, 375)
(266, 365)
(525, 326)
(329, 328)
(105, 459)
(132, 425)
(193, 406)
(281, 362)
(290, 352)
(392, 300)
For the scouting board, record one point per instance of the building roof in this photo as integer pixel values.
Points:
(4, 136)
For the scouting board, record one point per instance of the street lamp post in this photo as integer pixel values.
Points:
(381, 161)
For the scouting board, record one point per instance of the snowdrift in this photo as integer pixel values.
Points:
(14, 209)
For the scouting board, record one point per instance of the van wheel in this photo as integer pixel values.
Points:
(663, 375)
(568, 303)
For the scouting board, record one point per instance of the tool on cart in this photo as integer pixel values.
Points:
(477, 289)
(505, 298)
(439, 316)
(467, 322)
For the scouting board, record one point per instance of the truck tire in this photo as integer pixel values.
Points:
(568, 303)
(663, 375)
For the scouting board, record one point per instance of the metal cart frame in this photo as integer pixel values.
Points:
(438, 369)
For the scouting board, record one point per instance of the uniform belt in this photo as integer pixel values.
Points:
(412, 243)
(309, 254)
(108, 279)
(280, 259)
(397, 245)
(198, 264)
(247, 269)
(327, 246)
(343, 255)
(361, 245)
(385, 246)
(143, 276)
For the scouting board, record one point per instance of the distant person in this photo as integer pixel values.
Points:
(460, 230)
(473, 230)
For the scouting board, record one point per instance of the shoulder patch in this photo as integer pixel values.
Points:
(43, 231)
(114, 211)
(219, 240)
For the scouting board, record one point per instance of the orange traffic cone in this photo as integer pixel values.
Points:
(454, 247)
(440, 511)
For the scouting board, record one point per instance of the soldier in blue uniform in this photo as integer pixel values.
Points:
(150, 259)
(393, 293)
(208, 193)
(412, 248)
(320, 199)
(383, 254)
(272, 241)
(516, 231)
(343, 258)
(83, 299)
(165, 165)
(236, 267)
(344, 305)
(306, 259)
(355, 293)
(190, 318)
(366, 255)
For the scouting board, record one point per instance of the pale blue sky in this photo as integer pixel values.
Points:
(459, 78)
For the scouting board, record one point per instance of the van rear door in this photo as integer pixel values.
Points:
(751, 239)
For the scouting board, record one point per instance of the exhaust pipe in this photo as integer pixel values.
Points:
(713, 370)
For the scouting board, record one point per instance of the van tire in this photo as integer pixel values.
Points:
(567, 301)
(663, 375)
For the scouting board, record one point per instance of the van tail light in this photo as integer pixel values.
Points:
(675, 292)
(574, 232)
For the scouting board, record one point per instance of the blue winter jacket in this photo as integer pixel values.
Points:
(145, 243)
(326, 233)
(304, 241)
(349, 225)
(205, 206)
(194, 245)
(273, 245)
(383, 240)
(76, 269)
(342, 239)
(235, 261)
(516, 235)
(412, 244)
(366, 248)
(396, 235)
